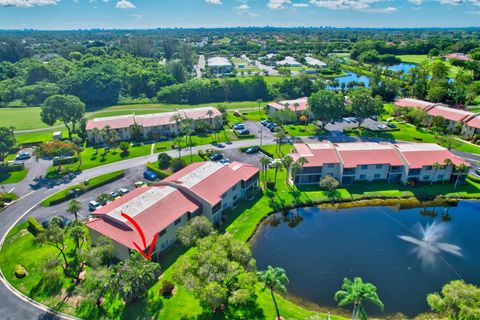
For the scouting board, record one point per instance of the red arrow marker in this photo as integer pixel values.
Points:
(142, 236)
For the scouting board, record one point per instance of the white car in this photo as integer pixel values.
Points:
(382, 127)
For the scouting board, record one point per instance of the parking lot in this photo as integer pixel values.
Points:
(46, 213)
(256, 128)
(237, 155)
(368, 123)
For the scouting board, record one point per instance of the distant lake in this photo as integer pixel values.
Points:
(351, 76)
(405, 253)
(403, 66)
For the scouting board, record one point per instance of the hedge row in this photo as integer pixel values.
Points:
(244, 136)
(203, 155)
(267, 153)
(65, 160)
(64, 195)
(162, 174)
(34, 226)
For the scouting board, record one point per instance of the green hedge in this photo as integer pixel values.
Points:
(66, 160)
(33, 226)
(269, 154)
(16, 167)
(244, 136)
(162, 174)
(64, 195)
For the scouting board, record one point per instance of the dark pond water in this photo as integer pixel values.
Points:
(351, 76)
(404, 67)
(405, 253)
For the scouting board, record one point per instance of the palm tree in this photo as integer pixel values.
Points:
(357, 292)
(461, 168)
(274, 279)
(295, 106)
(188, 130)
(280, 135)
(259, 101)
(113, 137)
(177, 119)
(447, 163)
(104, 137)
(95, 133)
(435, 166)
(302, 161)
(287, 162)
(74, 207)
(264, 161)
(277, 165)
(210, 115)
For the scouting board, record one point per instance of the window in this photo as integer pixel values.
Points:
(441, 177)
(235, 198)
(364, 167)
(379, 166)
(426, 177)
(428, 167)
(234, 187)
(217, 207)
(163, 232)
(164, 244)
(362, 177)
(331, 165)
(178, 221)
(377, 176)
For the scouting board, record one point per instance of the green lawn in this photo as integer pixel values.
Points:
(13, 177)
(298, 130)
(277, 151)
(22, 118)
(413, 58)
(91, 158)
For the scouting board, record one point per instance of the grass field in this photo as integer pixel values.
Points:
(13, 177)
(22, 118)
(413, 58)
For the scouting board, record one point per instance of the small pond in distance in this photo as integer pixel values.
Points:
(403, 66)
(351, 76)
(405, 253)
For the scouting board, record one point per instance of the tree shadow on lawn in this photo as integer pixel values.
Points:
(147, 307)
(248, 312)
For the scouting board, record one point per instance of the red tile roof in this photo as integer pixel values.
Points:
(317, 154)
(449, 113)
(365, 153)
(458, 56)
(212, 186)
(151, 120)
(413, 103)
(474, 122)
(152, 219)
(426, 154)
(114, 122)
(302, 104)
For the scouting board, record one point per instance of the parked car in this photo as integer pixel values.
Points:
(64, 222)
(150, 175)
(215, 156)
(271, 125)
(477, 171)
(45, 224)
(264, 122)
(244, 131)
(252, 150)
(382, 127)
(139, 184)
(123, 191)
(225, 161)
(374, 118)
(23, 156)
(239, 126)
(391, 125)
(114, 195)
(93, 205)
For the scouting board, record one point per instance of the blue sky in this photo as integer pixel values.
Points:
(86, 14)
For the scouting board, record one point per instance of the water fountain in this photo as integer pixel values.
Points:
(428, 246)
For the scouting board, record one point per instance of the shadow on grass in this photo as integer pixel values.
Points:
(147, 307)
(249, 311)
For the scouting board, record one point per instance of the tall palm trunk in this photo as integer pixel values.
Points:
(275, 303)
(275, 178)
(433, 177)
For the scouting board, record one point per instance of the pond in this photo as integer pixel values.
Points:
(403, 66)
(351, 76)
(405, 253)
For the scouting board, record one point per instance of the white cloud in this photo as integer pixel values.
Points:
(381, 10)
(27, 3)
(124, 4)
(359, 5)
(213, 1)
(278, 4)
(451, 2)
(244, 9)
(417, 2)
(300, 5)
(448, 2)
(137, 16)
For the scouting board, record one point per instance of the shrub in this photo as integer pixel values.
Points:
(162, 174)
(164, 160)
(167, 288)
(271, 185)
(16, 167)
(20, 271)
(33, 226)
(177, 165)
(124, 146)
(65, 160)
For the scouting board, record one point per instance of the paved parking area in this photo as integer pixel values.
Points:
(46, 213)
(256, 128)
(237, 155)
(368, 123)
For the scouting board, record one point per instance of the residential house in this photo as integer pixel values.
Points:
(369, 161)
(297, 105)
(203, 188)
(219, 65)
(155, 125)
